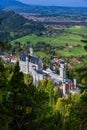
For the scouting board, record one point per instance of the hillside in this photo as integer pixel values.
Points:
(10, 3)
(14, 26)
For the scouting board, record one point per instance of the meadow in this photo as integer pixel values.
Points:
(75, 52)
(58, 40)
(41, 55)
(79, 30)
(71, 37)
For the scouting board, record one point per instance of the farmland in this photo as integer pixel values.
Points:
(72, 52)
(58, 40)
(79, 30)
(71, 37)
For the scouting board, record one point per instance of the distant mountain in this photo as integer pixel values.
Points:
(8, 3)
(11, 4)
(18, 6)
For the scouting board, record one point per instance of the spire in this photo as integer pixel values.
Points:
(75, 82)
(31, 50)
(27, 65)
(64, 89)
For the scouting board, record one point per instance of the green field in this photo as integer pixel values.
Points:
(59, 40)
(72, 52)
(79, 30)
(41, 54)
(72, 37)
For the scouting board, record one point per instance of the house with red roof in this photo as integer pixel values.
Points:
(14, 60)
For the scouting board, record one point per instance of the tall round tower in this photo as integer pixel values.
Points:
(62, 71)
(75, 82)
(31, 51)
(64, 89)
(27, 65)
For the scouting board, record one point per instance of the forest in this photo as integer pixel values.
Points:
(26, 107)
(14, 26)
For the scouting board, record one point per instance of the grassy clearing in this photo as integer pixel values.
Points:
(59, 40)
(41, 55)
(79, 30)
(72, 52)
(72, 37)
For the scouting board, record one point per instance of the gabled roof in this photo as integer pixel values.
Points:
(32, 59)
(23, 57)
(62, 62)
(14, 58)
(68, 80)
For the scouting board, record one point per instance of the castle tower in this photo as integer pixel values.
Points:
(27, 65)
(64, 89)
(75, 82)
(31, 51)
(62, 71)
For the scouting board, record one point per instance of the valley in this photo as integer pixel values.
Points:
(43, 67)
(69, 41)
(64, 30)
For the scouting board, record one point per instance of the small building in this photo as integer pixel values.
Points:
(76, 60)
(14, 60)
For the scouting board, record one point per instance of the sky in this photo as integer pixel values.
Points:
(74, 3)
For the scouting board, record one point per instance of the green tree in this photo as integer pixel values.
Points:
(2, 76)
(28, 79)
(78, 112)
(19, 103)
(47, 86)
(85, 41)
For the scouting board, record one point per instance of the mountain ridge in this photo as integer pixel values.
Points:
(12, 5)
(20, 7)
(5, 3)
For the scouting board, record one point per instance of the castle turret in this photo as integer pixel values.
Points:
(62, 71)
(27, 65)
(74, 80)
(64, 89)
(31, 51)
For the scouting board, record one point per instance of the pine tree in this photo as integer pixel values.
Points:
(2, 76)
(20, 101)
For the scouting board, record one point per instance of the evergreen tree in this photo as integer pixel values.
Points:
(20, 101)
(2, 76)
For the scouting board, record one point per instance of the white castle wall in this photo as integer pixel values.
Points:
(28, 67)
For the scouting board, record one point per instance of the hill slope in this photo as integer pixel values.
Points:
(12, 5)
(14, 26)
(8, 3)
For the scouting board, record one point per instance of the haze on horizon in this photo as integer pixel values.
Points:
(71, 3)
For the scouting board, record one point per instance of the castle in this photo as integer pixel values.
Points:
(34, 66)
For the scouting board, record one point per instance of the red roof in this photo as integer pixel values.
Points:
(76, 60)
(14, 58)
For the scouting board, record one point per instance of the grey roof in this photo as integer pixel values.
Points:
(62, 62)
(23, 57)
(39, 71)
(68, 80)
(31, 59)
